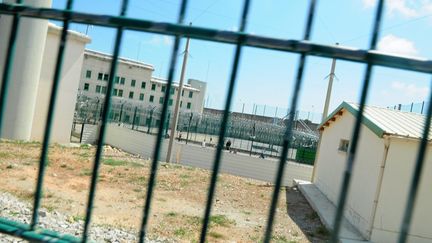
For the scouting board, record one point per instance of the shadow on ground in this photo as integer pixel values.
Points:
(304, 216)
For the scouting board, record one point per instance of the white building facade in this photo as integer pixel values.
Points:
(382, 172)
(134, 84)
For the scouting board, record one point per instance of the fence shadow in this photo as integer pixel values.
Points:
(304, 216)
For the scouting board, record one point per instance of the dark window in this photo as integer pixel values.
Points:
(143, 85)
(106, 77)
(151, 98)
(141, 96)
(88, 74)
(161, 100)
(133, 81)
(163, 88)
(98, 88)
(188, 105)
(153, 86)
(183, 92)
(170, 102)
(343, 145)
(172, 91)
(181, 103)
(86, 86)
(131, 95)
(120, 93)
(190, 94)
(104, 89)
(100, 76)
(122, 80)
(115, 92)
(117, 79)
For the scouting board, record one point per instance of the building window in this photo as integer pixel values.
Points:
(183, 92)
(143, 85)
(181, 103)
(161, 100)
(343, 145)
(122, 80)
(170, 102)
(172, 91)
(86, 86)
(141, 96)
(188, 105)
(131, 95)
(115, 92)
(163, 88)
(120, 93)
(98, 88)
(133, 81)
(100, 76)
(151, 99)
(153, 87)
(88, 74)
(104, 89)
(190, 94)
(106, 77)
(117, 79)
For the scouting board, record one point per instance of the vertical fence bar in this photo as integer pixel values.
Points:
(105, 113)
(157, 148)
(218, 155)
(415, 181)
(343, 194)
(9, 60)
(289, 128)
(50, 116)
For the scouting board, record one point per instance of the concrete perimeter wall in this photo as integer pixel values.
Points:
(236, 164)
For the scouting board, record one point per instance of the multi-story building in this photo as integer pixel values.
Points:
(134, 84)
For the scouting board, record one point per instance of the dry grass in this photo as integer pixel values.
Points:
(239, 212)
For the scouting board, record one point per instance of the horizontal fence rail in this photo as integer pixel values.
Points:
(107, 112)
(231, 37)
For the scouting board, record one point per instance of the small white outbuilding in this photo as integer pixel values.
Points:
(382, 172)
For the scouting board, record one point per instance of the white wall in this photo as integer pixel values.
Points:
(24, 80)
(67, 91)
(396, 181)
(331, 164)
(236, 164)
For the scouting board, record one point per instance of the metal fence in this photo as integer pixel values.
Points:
(238, 38)
(248, 133)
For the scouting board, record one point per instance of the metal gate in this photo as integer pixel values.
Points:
(240, 39)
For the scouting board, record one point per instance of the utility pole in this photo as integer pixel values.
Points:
(329, 89)
(177, 105)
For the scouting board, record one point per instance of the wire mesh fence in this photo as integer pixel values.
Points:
(248, 133)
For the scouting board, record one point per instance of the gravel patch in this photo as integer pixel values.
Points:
(14, 209)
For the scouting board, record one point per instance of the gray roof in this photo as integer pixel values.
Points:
(384, 121)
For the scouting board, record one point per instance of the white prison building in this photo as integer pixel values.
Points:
(135, 84)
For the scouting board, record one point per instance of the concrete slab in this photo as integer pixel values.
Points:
(326, 210)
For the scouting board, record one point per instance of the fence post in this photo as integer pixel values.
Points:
(82, 131)
(121, 113)
(134, 117)
(421, 112)
(187, 134)
(150, 121)
(167, 124)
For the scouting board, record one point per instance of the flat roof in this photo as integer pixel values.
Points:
(120, 59)
(175, 84)
(384, 121)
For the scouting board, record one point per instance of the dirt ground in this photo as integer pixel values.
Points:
(239, 213)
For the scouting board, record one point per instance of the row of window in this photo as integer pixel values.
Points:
(122, 80)
(119, 93)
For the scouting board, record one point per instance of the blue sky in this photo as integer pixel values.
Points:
(266, 77)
